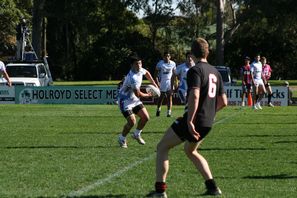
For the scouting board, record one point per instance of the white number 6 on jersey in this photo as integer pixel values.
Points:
(212, 87)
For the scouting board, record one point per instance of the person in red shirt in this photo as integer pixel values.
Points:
(266, 71)
(246, 79)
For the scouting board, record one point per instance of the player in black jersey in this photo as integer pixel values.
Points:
(206, 96)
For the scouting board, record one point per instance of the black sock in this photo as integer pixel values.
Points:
(269, 98)
(160, 187)
(210, 184)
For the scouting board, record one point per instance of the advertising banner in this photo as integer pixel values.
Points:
(66, 95)
(7, 95)
(108, 95)
(279, 96)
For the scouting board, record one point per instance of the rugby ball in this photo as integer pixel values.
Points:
(154, 90)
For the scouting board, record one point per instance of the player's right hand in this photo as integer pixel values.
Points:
(193, 131)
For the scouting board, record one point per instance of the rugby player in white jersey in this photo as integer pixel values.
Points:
(4, 73)
(181, 73)
(257, 79)
(164, 78)
(129, 101)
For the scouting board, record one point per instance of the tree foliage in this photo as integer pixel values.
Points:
(267, 27)
(91, 39)
(10, 14)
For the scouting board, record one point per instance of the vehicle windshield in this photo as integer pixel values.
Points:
(225, 75)
(22, 71)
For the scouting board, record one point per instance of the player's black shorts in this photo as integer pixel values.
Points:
(134, 110)
(180, 127)
(267, 84)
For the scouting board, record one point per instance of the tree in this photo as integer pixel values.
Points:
(90, 40)
(267, 30)
(37, 26)
(10, 14)
(220, 32)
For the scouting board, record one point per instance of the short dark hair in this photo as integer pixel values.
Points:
(200, 48)
(166, 52)
(134, 57)
(247, 58)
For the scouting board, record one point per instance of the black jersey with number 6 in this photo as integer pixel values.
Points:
(207, 78)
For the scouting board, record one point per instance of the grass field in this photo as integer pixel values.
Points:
(72, 151)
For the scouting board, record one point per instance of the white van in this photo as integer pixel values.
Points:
(29, 74)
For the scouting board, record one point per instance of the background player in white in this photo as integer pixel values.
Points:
(5, 75)
(257, 78)
(164, 78)
(129, 101)
(181, 73)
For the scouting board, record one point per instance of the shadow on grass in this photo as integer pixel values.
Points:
(280, 176)
(89, 133)
(106, 133)
(54, 147)
(233, 149)
(271, 135)
(100, 196)
(285, 142)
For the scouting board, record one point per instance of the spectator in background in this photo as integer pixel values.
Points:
(246, 79)
(266, 70)
(290, 92)
(4, 73)
(165, 79)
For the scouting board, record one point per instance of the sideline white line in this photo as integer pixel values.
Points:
(228, 117)
(107, 179)
(122, 171)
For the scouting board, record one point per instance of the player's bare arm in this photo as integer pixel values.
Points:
(173, 79)
(193, 102)
(156, 76)
(141, 94)
(221, 102)
(150, 78)
(6, 76)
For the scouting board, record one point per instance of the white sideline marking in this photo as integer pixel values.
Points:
(100, 182)
(228, 117)
(107, 179)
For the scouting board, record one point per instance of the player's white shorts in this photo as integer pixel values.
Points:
(128, 104)
(259, 82)
(165, 85)
(182, 95)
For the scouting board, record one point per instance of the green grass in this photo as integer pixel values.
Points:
(53, 150)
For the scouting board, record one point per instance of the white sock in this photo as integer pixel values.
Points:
(169, 112)
(137, 132)
(159, 109)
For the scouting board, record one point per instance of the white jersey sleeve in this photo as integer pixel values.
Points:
(132, 82)
(2, 66)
